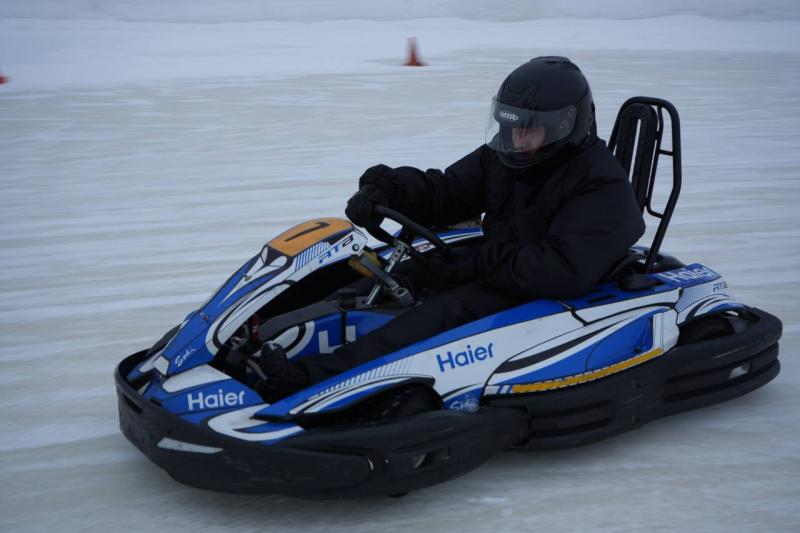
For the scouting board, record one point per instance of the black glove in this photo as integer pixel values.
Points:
(454, 272)
(361, 206)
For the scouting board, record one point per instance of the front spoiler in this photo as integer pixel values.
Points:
(325, 462)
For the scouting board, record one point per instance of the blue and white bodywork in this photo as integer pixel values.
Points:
(540, 346)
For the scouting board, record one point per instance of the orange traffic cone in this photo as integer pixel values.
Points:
(413, 57)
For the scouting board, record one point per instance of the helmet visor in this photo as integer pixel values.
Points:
(518, 130)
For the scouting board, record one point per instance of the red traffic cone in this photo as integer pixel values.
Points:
(413, 57)
(3, 79)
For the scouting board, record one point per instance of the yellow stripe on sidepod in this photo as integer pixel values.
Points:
(587, 376)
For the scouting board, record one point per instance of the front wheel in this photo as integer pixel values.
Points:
(398, 403)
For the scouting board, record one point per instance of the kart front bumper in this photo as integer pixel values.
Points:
(325, 462)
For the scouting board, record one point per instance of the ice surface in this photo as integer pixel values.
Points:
(142, 160)
(55, 53)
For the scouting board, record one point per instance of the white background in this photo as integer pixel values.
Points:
(148, 148)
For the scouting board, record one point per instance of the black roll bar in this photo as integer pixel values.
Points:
(640, 125)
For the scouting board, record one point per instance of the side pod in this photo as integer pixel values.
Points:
(687, 377)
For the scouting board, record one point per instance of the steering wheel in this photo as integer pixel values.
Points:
(402, 245)
(410, 229)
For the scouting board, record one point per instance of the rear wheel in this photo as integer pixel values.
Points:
(710, 327)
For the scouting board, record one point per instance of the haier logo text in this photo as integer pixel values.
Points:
(465, 358)
(690, 274)
(215, 401)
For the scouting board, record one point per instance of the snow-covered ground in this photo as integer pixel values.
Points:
(145, 151)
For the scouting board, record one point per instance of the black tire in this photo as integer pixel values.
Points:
(710, 327)
(385, 406)
(398, 403)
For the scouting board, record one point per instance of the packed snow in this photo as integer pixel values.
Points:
(147, 148)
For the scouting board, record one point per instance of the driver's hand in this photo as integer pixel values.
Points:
(361, 206)
(459, 271)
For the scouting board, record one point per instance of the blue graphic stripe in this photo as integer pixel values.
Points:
(268, 427)
(610, 293)
(625, 343)
(522, 313)
(310, 253)
(358, 395)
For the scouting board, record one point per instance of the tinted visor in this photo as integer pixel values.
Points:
(518, 130)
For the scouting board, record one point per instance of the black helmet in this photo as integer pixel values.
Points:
(541, 107)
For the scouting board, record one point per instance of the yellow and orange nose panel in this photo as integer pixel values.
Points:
(293, 241)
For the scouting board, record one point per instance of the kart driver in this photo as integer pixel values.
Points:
(558, 209)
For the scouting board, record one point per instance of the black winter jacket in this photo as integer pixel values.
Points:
(552, 231)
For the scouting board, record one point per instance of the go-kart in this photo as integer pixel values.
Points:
(653, 338)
